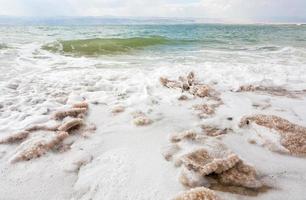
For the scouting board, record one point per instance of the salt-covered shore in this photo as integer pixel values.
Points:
(147, 137)
(116, 113)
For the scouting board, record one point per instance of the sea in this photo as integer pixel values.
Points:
(40, 64)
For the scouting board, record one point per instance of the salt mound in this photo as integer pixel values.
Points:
(81, 105)
(118, 109)
(200, 90)
(206, 163)
(141, 119)
(73, 112)
(38, 149)
(15, 138)
(240, 175)
(200, 193)
(205, 110)
(213, 131)
(188, 84)
(272, 90)
(70, 124)
(293, 136)
(186, 135)
(38, 139)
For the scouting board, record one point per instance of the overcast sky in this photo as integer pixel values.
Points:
(243, 10)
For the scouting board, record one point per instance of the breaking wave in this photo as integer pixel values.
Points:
(104, 46)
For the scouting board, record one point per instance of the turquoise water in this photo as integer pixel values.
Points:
(188, 37)
(253, 47)
(183, 37)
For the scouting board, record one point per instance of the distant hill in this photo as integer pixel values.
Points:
(87, 21)
(110, 20)
(7, 20)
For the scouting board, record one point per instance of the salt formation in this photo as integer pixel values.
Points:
(49, 137)
(227, 169)
(210, 162)
(276, 91)
(213, 131)
(197, 89)
(118, 109)
(69, 124)
(188, 84)
(189, 135)
(240, 175)
(42, 128)
(183, 98)
(205, 160)
(73, 112)
(204, 108)
(15, 138)
(141, 119)
(200, 90)
(40, 148)
(292, 136)
(169, 83)
(205, 163)
(81, 105)
(200, 193)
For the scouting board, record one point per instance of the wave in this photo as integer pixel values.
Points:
(114, 46)
(102, 46)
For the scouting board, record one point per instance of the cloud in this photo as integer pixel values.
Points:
(222, 9)
(255, 9)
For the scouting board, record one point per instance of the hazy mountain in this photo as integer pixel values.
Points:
(7, 20)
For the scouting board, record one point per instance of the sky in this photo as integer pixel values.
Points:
(230, 10)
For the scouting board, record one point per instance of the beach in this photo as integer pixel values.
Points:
(148, 112)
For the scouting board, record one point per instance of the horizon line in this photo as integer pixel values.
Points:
(198, 20)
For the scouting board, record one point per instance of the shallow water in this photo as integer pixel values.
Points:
(112, 58)
(229, 55)
(237, 46)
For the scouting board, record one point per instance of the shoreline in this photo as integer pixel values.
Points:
(118, 151)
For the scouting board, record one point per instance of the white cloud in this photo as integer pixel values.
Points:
(224, 9)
